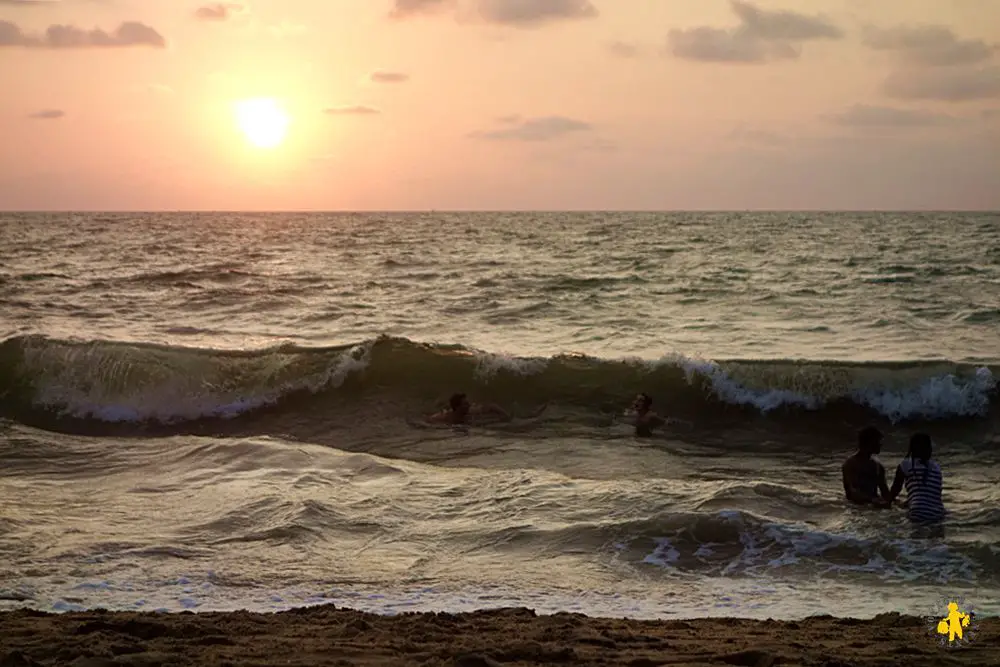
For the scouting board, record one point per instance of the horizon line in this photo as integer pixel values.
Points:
(511, 210)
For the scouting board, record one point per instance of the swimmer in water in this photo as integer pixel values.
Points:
(460, 409)
(864, 475)
(645, 419)
(921, 475)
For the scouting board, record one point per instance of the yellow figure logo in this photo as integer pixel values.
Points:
(953, 623)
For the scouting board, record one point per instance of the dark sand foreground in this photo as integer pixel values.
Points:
(329, 636)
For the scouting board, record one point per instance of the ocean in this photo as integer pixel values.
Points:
(224, 411)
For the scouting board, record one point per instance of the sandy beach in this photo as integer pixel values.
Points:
(331, 636)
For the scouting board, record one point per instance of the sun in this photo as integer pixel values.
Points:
(263, 121)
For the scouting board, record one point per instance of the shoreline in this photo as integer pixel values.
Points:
(328, 635)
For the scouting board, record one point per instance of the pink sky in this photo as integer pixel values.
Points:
(502, 104)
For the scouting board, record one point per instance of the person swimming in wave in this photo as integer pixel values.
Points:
(645, 419)
(922, 477)
(460, 409)
(863, 474)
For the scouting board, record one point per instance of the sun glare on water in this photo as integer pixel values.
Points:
(263, 122)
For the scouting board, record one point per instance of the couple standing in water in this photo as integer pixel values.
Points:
(865, 479)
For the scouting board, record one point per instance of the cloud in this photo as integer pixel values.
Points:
(544, 128)
(947, 85)
(866, 116)
(714, 45)
(528, 13)
(762, 36)
(27, 3)
(390, 77)
(928, 45)
(782, 25)
(217, 12)
(47, 114)
(515, 13)
(404, 9)
(128, 34)
(352, 111)
(625, 49)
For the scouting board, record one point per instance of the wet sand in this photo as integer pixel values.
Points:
(330, 636)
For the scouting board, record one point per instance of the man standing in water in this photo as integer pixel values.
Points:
(460, 409)
(645, 419)
(864, 475)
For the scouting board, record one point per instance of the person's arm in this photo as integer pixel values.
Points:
(493, 408)
(439, 417)
(881, 498)
(897, 484)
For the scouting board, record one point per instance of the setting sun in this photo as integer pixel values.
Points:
(263, 122)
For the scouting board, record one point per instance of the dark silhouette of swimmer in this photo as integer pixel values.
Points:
(460, 409)
(645, 419)
(864, 475)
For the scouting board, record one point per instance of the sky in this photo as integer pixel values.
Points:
(500, 105)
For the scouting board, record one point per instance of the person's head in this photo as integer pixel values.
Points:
(643, 402)
(459, 403)
(870, 440)
(921, 447)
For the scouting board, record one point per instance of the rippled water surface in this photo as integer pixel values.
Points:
(213, 411)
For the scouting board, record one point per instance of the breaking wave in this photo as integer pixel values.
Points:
(143, 382)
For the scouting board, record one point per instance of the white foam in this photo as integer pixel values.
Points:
(730, 391)
(935, 398)
(489, 364)
(664, 554)
(768, 546)
(941, 396)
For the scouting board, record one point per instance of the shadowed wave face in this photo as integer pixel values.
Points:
(71, 385)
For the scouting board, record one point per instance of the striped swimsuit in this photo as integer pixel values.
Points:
(923, 490)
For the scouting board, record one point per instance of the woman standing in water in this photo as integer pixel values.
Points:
(922, 477)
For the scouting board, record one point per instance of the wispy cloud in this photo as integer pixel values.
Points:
(27, 3)
(962, 84)
(867, 116)
(47, 114)
(928, 45)
(513, 13)
(625, 49)
(714, 45)
(761, 36)
(544, 128)
(128, 34)
(759, 137)
(217, 12)
(389, 77)
(783, 25)
(357, 110)
(404, 9)
(527, 13)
